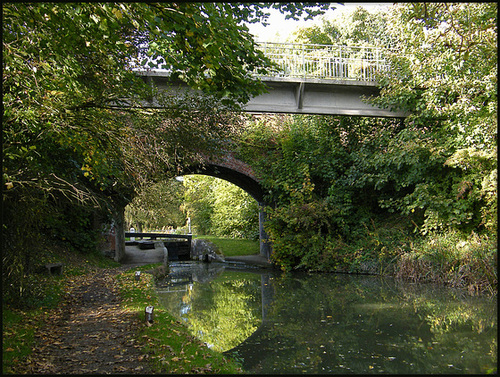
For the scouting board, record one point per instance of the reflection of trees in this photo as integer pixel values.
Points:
(466, 323)
(329, 323)
(225, 312)
(334, 323)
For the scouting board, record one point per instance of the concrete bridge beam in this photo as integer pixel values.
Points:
(319, 96)
(291, 95)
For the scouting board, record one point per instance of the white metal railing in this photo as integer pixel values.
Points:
(325, 61)
(315, 61)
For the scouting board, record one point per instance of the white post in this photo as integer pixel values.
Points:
(149, 315)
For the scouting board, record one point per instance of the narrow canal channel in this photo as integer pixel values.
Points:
(332, 323)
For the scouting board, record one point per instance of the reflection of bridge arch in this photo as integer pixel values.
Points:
(179, 283)
(242, 175)
(258, 335)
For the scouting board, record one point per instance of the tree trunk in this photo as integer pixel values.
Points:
(119, 217)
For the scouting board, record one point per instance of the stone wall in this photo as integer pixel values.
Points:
(206, 251)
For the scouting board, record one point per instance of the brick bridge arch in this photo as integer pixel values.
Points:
(232, 170)
(242, 175)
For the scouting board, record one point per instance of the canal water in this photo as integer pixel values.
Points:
(332, 323)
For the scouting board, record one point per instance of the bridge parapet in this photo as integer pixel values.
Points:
(316, 61)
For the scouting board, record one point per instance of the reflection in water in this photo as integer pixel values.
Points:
(221, 310)
(330, 323)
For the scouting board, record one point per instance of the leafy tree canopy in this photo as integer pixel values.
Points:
(217, 207)
(446, 54)
(359, 27)
(331, 177)
(445, 73)
(157, 206)
(65, 65)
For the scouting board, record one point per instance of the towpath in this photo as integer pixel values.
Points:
(88, 333)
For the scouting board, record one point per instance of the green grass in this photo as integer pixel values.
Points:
(17, 336)
(167, 343)
(19, 324)
(231, 247)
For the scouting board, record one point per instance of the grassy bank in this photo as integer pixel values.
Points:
(449, 259)
(231, 247)
(18, 335)
(167, 343)
(390, 246)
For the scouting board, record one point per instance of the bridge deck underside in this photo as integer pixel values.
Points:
(313, 97)
(302, 96)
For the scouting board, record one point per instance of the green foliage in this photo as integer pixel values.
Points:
(219, 208)
(337, 181)
(235, 212)
(157, 206)
(83, 236)
(455, 260)
(310, 165)
(359, 27)
(35, 224)
(299, 234)
(198, 202)
(445, 74)
(25, 283)
(66, 136)
(436, 169)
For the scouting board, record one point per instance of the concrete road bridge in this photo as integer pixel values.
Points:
(310, 79)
